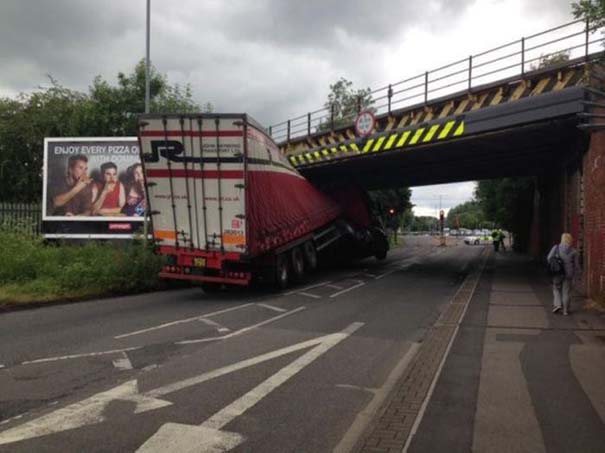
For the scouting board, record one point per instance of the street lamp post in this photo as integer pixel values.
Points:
(147, 57)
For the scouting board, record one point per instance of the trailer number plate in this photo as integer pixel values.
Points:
(199, 262)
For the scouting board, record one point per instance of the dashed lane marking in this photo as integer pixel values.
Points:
(359, 283)
(295, 291)
(78, 356)
(244, 330)
(220, 328)
(334, 287)
(181, 321)
(272, 307)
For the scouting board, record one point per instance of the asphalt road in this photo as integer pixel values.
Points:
(245, 370)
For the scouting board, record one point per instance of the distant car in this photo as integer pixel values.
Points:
(477, 240)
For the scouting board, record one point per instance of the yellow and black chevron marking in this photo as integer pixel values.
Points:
(395, 140)
(412, 118)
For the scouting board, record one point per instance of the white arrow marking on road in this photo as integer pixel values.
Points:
(90, 411)
(207, 437)
(123, 363)
(85, 412)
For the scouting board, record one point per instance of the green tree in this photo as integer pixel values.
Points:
(509, 203)
(466, 215)
(591, 10)
(344, 102)
(551, 60)
(56, 111)
(391, 205)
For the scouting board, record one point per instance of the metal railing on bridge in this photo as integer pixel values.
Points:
(572, 40)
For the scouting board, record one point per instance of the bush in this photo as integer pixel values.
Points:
(71, 270)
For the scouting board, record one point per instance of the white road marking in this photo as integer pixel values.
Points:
(334, 286)
(220, 328)
(2, 366)
(78, 356)
(123, 363)
(367, 274)
(86, 412)
(271, 307)
(313, 296)
(91, 410)
(181, 321)
(289, 293)
(392, 271)
(207, 437)
(360, 283)
(244, 330)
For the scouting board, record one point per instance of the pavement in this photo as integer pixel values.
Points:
(514, 377)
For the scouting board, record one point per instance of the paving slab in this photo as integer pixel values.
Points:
(505, 420)
(519, 316)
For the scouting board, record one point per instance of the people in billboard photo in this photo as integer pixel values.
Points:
(135, 191)
(72, 193)
(108, 194)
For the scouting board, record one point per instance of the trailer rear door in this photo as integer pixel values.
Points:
(195, 178)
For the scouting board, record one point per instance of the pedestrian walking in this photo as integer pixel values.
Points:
(564, 266)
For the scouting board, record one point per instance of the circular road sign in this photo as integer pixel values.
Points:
(364, 123)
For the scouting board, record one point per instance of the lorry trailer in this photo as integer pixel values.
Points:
(226, 207)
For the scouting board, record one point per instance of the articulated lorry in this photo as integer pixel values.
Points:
(227, 208)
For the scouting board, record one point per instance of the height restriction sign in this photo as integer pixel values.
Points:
(364, 123)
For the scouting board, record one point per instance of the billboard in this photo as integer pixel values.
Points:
(92, 188)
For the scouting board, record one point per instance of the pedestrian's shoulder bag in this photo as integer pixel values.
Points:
(555, 264)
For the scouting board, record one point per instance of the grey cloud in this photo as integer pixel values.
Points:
(64, 38)
(318, 22)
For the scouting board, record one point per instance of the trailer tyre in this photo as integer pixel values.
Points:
(310, 255)
(282, 272)
(298, 263)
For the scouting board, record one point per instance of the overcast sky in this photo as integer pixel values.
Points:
(273, 59)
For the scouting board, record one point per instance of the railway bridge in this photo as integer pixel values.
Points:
(532, 107)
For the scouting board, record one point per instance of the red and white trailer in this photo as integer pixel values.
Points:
(226, 206)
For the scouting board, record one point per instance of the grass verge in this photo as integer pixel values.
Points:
(34, 271)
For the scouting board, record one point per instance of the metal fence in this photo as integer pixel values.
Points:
(25, 217)
(511, 60)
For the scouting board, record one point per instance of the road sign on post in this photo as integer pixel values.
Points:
(365, 123)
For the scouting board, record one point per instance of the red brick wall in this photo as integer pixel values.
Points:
(594, 217)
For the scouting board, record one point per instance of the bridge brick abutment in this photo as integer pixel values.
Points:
(573, 200)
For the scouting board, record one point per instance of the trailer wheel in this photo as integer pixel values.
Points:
(298, 263)
(310, 255)
(282, 273)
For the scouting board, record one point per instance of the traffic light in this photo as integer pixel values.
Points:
(391, 211)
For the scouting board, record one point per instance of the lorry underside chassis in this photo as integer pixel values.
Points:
(288, 263)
